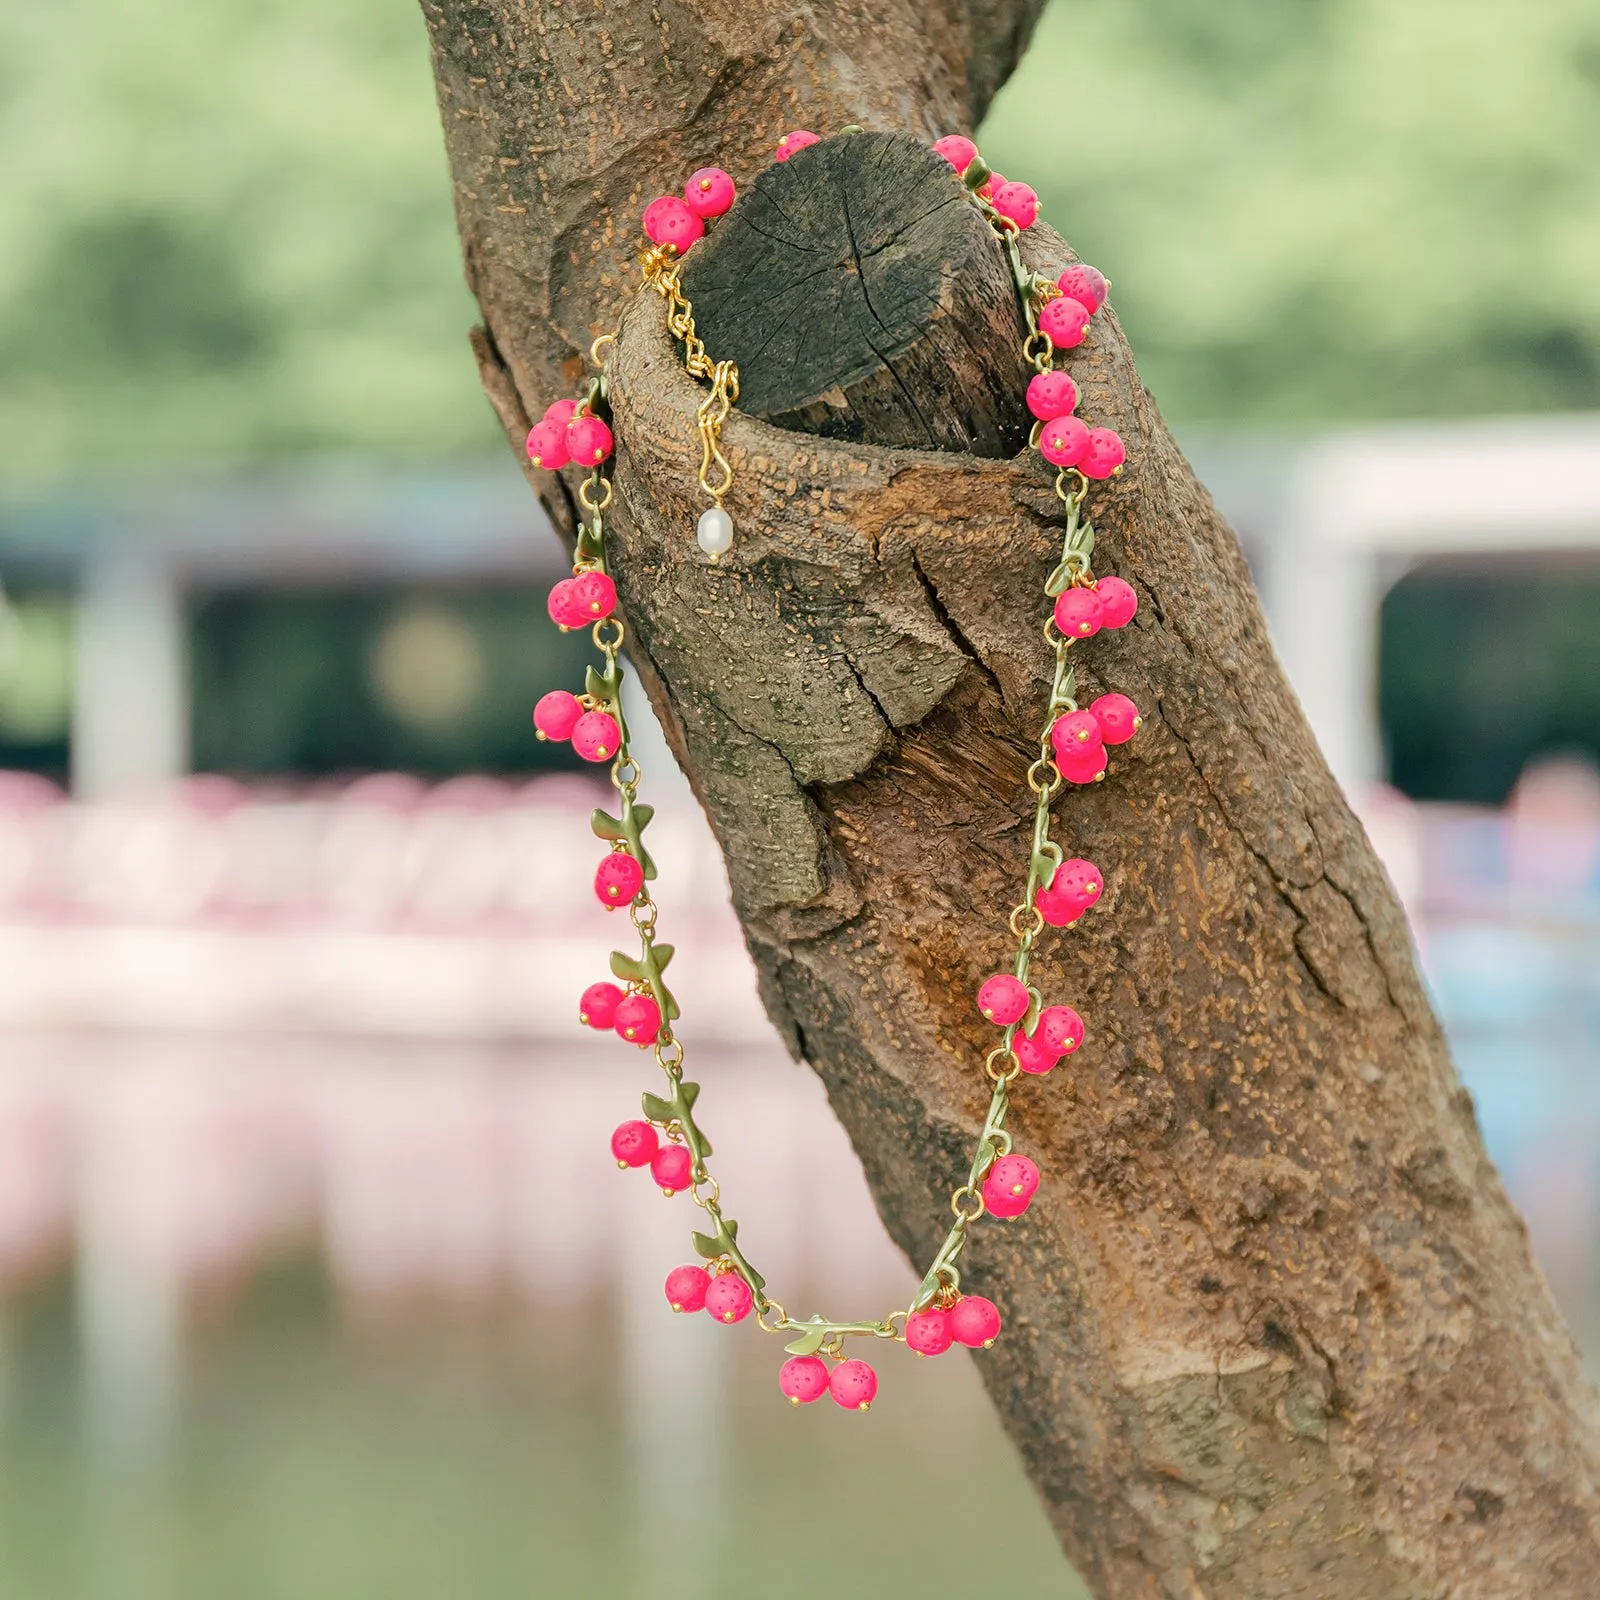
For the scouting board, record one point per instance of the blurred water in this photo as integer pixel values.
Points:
(316, 1278)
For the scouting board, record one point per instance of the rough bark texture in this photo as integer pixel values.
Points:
(1273, 1329)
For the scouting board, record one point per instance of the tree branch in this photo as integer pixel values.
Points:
(1273, 1328)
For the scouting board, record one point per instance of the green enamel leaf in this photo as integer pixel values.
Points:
(605, 826)
(706, 1246)
(656, 1109)
(601, 685)
(690, 1092)
(1035, 1006)
(626, 967)
(591, 546)
(808, 1343)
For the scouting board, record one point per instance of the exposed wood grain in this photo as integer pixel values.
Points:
(865, 301)
(1273, 1329)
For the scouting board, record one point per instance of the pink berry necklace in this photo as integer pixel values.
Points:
(1073, 745)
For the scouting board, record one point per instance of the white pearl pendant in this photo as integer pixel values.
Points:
(714, 531)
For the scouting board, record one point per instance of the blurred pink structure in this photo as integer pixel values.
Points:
(459, 911)
(238, 1023)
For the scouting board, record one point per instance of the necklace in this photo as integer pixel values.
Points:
(639, 1007)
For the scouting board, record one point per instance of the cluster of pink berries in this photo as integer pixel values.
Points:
(971, 1320)
(594, 733)
(568, 433)
(679, 222)
(1004, 1000)
(724, 1296)
(582, 600)
(637, 1144)
(1074, 886)
(853, 1384)
(1064, 441)
(1082, 613)
(1079, 738)
(635, 1017)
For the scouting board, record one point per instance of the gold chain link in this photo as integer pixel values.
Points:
(662, 271)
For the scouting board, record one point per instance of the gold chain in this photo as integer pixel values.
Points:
(662, 268)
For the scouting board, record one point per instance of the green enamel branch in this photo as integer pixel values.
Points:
(627, 828)
(646, 968)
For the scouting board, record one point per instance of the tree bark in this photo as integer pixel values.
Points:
(1273, 1329)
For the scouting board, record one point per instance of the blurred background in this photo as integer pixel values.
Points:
(316, 1279)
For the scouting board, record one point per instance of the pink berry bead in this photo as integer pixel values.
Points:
(1051, 395)
(1085, 767)
(638, 1019)
(560, 412)
(853, 1384)
(596, 736)
(928, 1332)
(1063, 440)
(1118, 717)
(1003, 999)
(563, 606)
(1074, 732)
(547, 445)
(1006, 1191)
(686, 1288)
(1015, 1175)
(729, 1298)
(1078, 614)
(999, 1204)
(1077, 882)
(618, 879)
(589, 441)
(1060, 1030)
(669, 220)
(673, 1169)
(597, 1008)
(1118, 602)
(1066, 321)
(1103, 454)
(1057, 911)
(634, 1144)
(957, 149)
(1031, 1054)
(709, 192)
(974, 1321)
(791, 142)
(1017, 203)
(557, 714)
(803, 1379)
(595, 594)
(1085, 285)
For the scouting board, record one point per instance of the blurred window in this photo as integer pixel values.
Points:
(1485, 665)
(315, 681)
(35, 680)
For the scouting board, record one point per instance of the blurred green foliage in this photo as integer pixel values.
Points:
(1325, 209)
(228, 235)
(227, 240)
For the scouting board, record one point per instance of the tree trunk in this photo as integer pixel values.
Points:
(1273, 1329)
